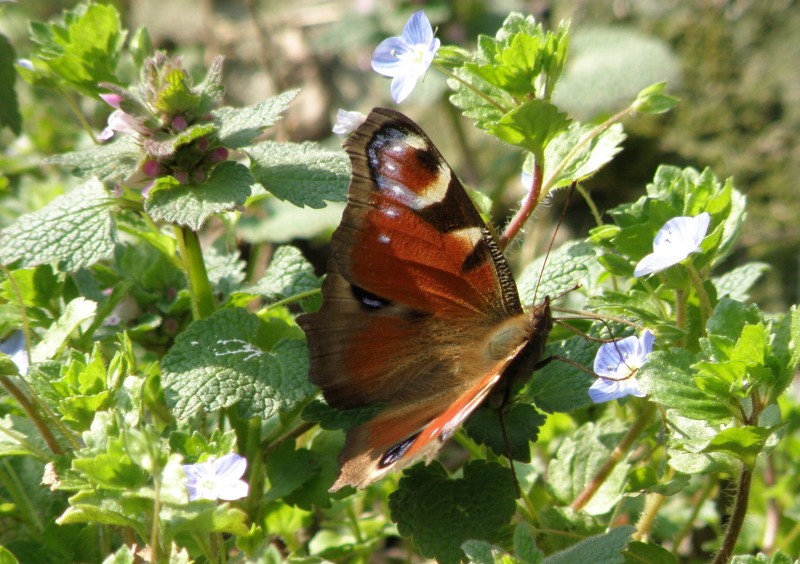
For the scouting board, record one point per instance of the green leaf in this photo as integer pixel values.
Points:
(217, 362)
(164, 148)
(7, 557)
(289, 469)
(84, 51)
(109, 161)
(522, 424)
(9, 108)
(332, 419)
(580, 457)
(667, 377)
(567, 266)
(439, 514)
(652, 100)
(304, 174)
(77, 311)
(761, 558)
(239, 126)
(736, 283)
(559, 386)
(283, 222)
(587, 158)
(638, 552)
(525, 545)
(531, 126)
(599, 549)
(745, 443)
(75, 229)
(786, 349)
(288, 274)
(191, 205)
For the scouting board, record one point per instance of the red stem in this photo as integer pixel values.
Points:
(528, 205)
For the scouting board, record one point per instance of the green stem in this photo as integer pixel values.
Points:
(705, 304)
(351, 514)
(652, 504)
(199, 286)
(614, 457)
(649, 288)
(33, 414)
(483, 95)
(256, 471)
(291, 299)
(737, 517)
(590, 202)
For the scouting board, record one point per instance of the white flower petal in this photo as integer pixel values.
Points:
(233, 490)
(418, 29)
(386, 58)
(347, 122)
(230, 467)
(14, 347)
(607, 390)
(680, 237)
(402, 86)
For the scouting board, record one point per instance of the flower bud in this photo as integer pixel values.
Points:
(179, 123)
(218, 155)
(113, 100)
(151, 168)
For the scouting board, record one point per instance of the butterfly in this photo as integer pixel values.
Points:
(420, 316)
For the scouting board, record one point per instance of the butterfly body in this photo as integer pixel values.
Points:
(420, 311)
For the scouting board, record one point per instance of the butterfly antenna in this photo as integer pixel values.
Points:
(553, 238)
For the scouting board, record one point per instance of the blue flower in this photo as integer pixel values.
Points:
(616, 363)
(217, 479)
(680, 237)
(406, 58)
(14, 347)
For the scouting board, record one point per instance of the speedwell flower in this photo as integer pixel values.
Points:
(680, 237)
(347, 122)
(14, 347)
(616, 363)
(217, 479)
(406, 58)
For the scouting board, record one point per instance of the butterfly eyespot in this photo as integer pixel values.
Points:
(369, 300)
(396, 452)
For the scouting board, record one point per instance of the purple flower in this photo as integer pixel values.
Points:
(616, 363)
(217, 479)
(113, 100)
(680, 237)
(406, 58)
(123, 123)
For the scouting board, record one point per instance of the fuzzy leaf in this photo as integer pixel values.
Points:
(559, 386)
(288, 274)
(109, 161)
(599, 549)
(588, 159)
(239, 126)
(217, 362)
(522, 424)
(9, 108)
(735, 283)
(439, 514)
(531, 126)
(75, 229)
(305, 174)
(191, 205)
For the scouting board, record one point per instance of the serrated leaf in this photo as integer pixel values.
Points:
(745, 443)
(439, 514)
(580, 457)
(77, 311)
(566, 267)
(304, 174)
(588, 157)
(332, 419)
(599, 549)
(531, 126)
(75, 230)
(786, 348)
(9, 109)
(109, 161)
(667, 377)
(736, 283)
(108, 507)
(522, 424)
(217, 363)
(239, 126)
(191, 205)
(288, 274)
(165, 148)
(289, 469)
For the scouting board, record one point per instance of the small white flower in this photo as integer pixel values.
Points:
(217, 479)
(616, 363)
(406, 58)
(14, 347)
(680, 237)
(347, 122)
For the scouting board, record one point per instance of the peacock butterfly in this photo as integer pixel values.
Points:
(420, 311)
